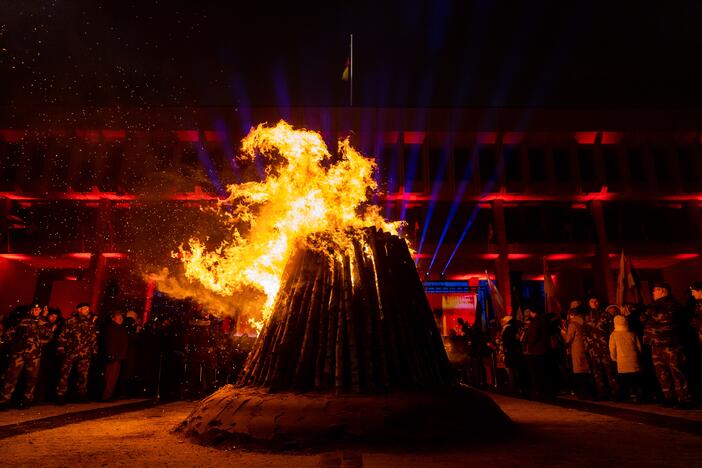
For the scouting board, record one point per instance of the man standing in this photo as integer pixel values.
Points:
(77, 343)
(596, 330)
(116, 342)
(537, 346)
(662, 331)
(696, 290)
(26, 339)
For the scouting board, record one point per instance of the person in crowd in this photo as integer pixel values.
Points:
(555, 372)
(77, 344)
(130, 375)
(625, 350)
(573, 338)
(199, 356)
(537, 346)
(26, 339)
(696, 322)
(48, 368)
(663, 331)
(512, 351)
(116, 345)
(596, 330)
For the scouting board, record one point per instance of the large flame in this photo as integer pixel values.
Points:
(304, 192)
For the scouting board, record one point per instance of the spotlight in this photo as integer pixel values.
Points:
(442, 276)
(426, 274)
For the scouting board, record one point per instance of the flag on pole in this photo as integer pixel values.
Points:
(347, 70)
(627, 287)
(552, 304)
(498, 304)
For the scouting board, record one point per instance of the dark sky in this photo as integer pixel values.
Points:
(440, 53)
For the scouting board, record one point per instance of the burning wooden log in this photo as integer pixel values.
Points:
(350, 321)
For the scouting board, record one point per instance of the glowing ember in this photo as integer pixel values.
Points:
(304, 192)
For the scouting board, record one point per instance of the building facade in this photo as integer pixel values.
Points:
(91, 199)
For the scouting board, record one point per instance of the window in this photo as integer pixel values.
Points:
(488, 168)
(462, 164)
(636, 167)
(537, 165)
(586, 164)
(414, 168)
(438, 165)
(612, 169)
(660, 165)
(513, 170)
(389, 165)
(687, 170)
(561, 165)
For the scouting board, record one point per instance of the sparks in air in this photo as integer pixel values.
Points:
(305, 191)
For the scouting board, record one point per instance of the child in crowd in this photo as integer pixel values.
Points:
(625, 350)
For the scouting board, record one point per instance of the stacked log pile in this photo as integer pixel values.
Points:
(355, 320)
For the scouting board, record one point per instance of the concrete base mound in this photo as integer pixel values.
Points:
(251, 417)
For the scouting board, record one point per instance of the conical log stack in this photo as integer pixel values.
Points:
(354, 322)
(351, 354)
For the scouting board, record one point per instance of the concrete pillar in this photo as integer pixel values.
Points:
(604, 280)
(98, 262)
(5, 212)
(550, 171)
(502, 263)
(98, 270)
(695, 217)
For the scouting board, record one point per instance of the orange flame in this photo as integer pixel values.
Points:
(304, 192)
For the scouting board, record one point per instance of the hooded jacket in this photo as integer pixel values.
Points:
(574, 338)
(624, 347)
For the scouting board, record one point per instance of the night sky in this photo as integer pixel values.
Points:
(440, 53)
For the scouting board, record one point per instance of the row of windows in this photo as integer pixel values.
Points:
(541, 169)
(413, 168)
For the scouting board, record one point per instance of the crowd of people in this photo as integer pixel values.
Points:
(636, 353)
(44, 357)
(631, 353)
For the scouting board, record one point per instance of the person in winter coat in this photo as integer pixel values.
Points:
(537, 346)
(596, 330)
(625, 350)
(116, 344)
(513, 353)
(581, 367)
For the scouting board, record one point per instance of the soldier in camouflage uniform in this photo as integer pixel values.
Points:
(77, 344)
(26, 339)
(663, 333)
(596, 330)
(696, 290)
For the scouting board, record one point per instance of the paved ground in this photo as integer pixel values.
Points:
(550, 435)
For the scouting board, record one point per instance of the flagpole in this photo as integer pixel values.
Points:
(351, 72)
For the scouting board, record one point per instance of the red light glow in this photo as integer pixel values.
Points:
(188, 136)
(114, 134)
(585, 138)
(413, 138)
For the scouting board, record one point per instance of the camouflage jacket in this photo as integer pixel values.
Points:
(28, 336)
(79, 336)
(663, 325)
(596, 330)
(697, 320)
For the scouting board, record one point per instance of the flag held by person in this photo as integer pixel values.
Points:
(550, 294)
(498, 304)
(628, 289)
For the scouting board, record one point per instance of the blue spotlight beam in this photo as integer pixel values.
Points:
(435, 191)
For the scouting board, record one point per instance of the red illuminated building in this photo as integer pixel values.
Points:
(573, 186)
